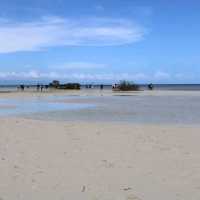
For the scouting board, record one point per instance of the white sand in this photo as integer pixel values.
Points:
(98, 161)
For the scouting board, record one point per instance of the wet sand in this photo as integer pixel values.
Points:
(105, 160)
(96, 92)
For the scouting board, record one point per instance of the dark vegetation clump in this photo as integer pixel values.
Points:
(70, 86)
(54, 84)
(126, 86)
(67, 86)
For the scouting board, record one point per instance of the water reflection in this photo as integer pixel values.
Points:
(12, 107)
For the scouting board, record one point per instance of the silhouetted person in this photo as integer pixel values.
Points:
(38, 87)
(150, 86)
(114, 86)
(41, 88)
(22, 87)
(46, 87)
(101, 87)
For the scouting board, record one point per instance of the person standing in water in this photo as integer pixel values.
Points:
(22, 87)
(38, 87)
(41, 88)
(150, 86)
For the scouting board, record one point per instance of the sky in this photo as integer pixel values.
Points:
(100, 41)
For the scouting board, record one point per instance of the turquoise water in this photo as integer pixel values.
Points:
(15, 107)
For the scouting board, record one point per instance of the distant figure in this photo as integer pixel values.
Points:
(46, 87)
(114, 86)
(38, 87)
(22, 87)
(41, 88)
(101, 87)
(150, 86)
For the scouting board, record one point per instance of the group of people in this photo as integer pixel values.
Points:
(41, 87)
(92, 86)
(38, 87)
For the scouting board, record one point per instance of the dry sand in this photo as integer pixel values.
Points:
(41, 160)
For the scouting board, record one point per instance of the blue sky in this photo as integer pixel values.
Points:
(100, 41)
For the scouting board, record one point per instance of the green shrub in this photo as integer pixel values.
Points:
(57, 85)
(126, 86)
(54, 84)
(70, 86)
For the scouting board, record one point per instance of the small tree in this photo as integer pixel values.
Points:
(55, 84)
(127, 86)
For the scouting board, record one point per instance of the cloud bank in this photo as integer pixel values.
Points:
(55, 31)
(94, 77)
(79, 65)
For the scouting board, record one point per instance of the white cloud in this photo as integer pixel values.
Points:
(162, 75)
(186, 76)
(20, 75)
(55, 31)
(33, 74)
(79, 65)
(99, 8)
(95, 77)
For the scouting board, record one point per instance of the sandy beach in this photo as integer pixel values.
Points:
(98, 160)
(99, 100)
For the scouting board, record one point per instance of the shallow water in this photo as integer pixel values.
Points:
(24, 106)
(132, 109)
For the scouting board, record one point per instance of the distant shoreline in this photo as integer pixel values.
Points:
(181, 87)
